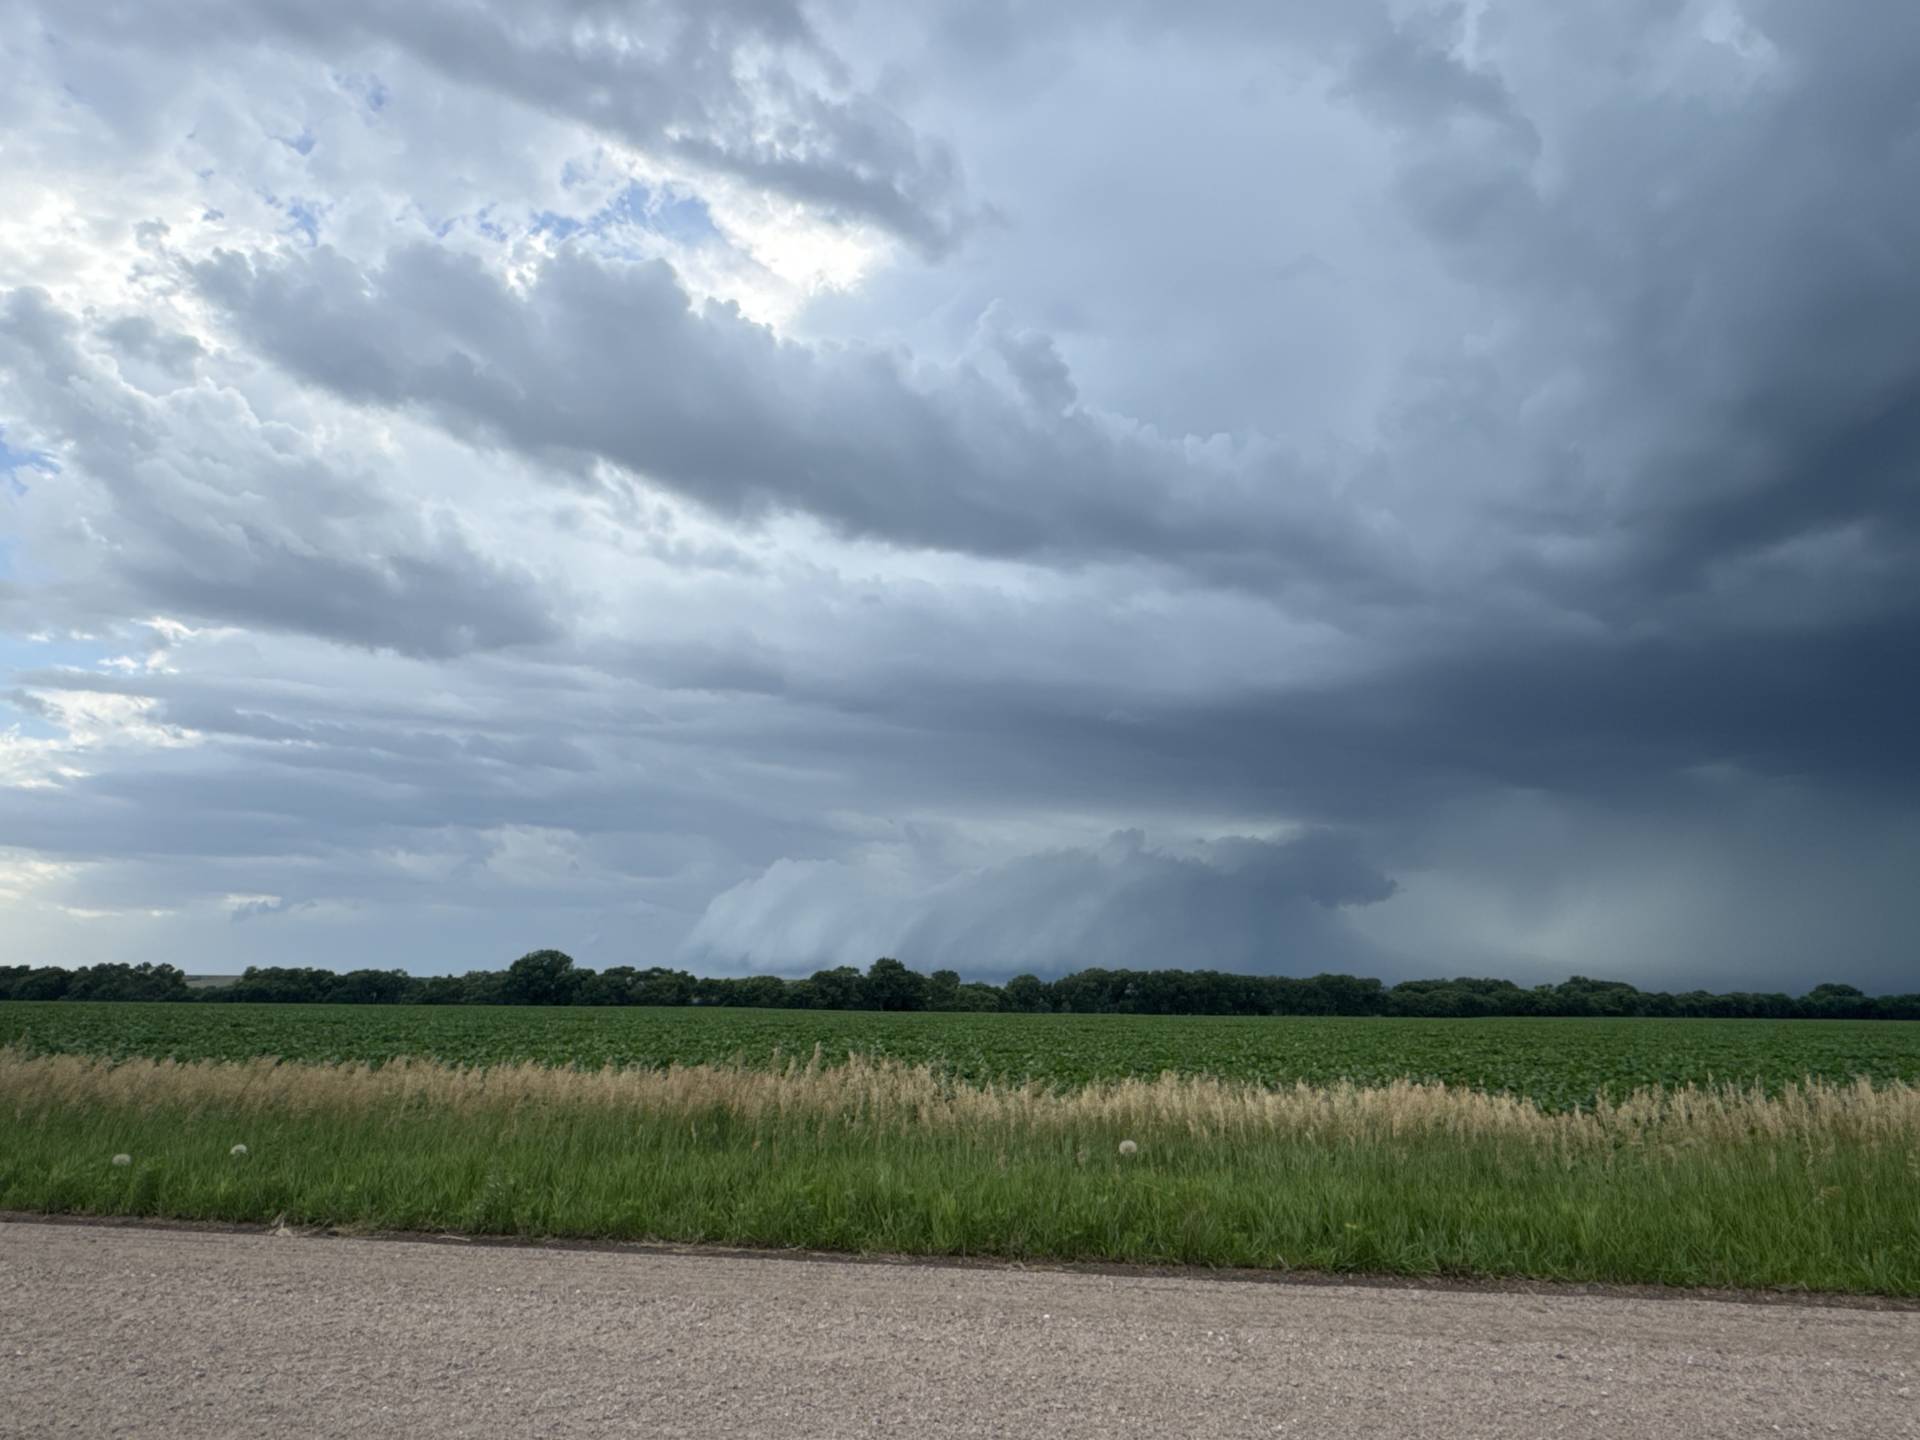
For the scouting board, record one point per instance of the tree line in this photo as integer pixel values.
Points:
(550, 977)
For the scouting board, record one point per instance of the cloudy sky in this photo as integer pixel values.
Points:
(1398, 487)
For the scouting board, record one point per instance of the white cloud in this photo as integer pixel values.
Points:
(23, 874)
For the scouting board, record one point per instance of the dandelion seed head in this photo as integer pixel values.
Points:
(1127, 1147)
(123, 1159)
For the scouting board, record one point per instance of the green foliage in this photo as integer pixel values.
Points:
(1559, 1063)
(892, 986)
(838, 989)
(542, 977)
(1754, 1211)
(1027, 994)
(94, 982)
(549, 977)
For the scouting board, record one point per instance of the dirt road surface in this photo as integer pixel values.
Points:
(154, 1332)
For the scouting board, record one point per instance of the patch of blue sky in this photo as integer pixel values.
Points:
(14, 464)
(25, 722)
(371, 89)
(488, 226)
(303, 216)
(681, 218)
(306, 219)
(561, 227)
(26, 662)
(301, 144)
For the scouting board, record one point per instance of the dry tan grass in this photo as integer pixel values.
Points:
(888, 1097)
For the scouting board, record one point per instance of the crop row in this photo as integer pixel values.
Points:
(1558, 1063)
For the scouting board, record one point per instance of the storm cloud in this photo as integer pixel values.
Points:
(1402, 488)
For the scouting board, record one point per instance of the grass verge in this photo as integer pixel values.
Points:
(1816, 1188)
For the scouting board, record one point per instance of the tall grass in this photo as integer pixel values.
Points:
(1816, 1187)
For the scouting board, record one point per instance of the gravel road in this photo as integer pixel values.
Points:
(136, 1331)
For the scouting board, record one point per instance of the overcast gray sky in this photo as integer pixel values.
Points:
(1402, 487)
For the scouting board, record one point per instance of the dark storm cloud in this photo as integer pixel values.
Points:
(298, 768)
(1689, 433)
(1613, 721)
(614, 362)
(1722, 274)
(1411, 75)
(1236, 904)
(1585, 642)
(1699, 267)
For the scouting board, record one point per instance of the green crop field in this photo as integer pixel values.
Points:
(1684, 1152)
(1556, 1063)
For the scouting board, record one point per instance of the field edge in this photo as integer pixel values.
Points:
(1784, 1296)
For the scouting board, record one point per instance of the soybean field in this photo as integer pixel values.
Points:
(1558, 1063)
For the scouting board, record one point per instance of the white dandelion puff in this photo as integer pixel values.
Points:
(123, 1159)
(238, 1150)
(1127, 1147)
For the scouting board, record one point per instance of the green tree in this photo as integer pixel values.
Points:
(767, 992)
(977, 997)
(838, 989)
(373, 987)
(542, 977)
(1844, 1001)
(612, 986)
(1026, 992)
(657, 986)
(48, 982)
(278, 984)
(892, 986)
(443, 990)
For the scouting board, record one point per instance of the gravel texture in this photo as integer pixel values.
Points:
(145, 1331)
